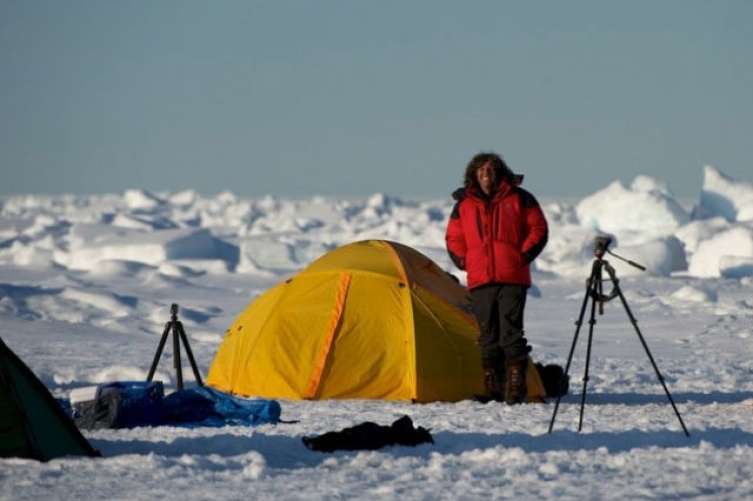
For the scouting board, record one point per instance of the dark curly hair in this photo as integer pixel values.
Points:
(501, 170)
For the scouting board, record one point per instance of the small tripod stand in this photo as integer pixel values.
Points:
(179, 334)
(594, 291)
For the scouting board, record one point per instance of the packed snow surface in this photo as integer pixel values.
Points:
(86, 284)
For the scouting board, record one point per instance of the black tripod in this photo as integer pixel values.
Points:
(594, 291)
(179, 334)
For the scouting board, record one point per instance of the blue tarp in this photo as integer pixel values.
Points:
(204, 406)
(136, 403)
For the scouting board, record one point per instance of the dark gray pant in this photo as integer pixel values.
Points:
(499, 311)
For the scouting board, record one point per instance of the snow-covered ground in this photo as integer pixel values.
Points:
(86, 283)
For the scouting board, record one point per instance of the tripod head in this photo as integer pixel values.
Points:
(594, 282)
(174, 312)
(601, 247)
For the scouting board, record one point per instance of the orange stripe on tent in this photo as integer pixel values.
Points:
(316, 375)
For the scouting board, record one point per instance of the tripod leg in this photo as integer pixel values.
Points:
(591, 324)
(579, 324)
(158, 353)
(176, 356)
(645, 347)
(189, 354)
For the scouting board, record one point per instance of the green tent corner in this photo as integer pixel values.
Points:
(32, 423)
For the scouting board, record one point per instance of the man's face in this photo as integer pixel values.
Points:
(486, 178)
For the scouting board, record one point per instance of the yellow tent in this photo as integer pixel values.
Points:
(372, 319)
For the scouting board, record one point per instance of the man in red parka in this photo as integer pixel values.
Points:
(495, 231)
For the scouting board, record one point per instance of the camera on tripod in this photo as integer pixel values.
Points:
(179, 334)
(595, 293)
(601, 245)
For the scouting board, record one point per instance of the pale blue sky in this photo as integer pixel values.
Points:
(303, 98)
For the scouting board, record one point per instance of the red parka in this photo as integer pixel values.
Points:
(495, 239)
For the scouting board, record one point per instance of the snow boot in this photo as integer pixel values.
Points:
(492, 387)
(515, 384)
